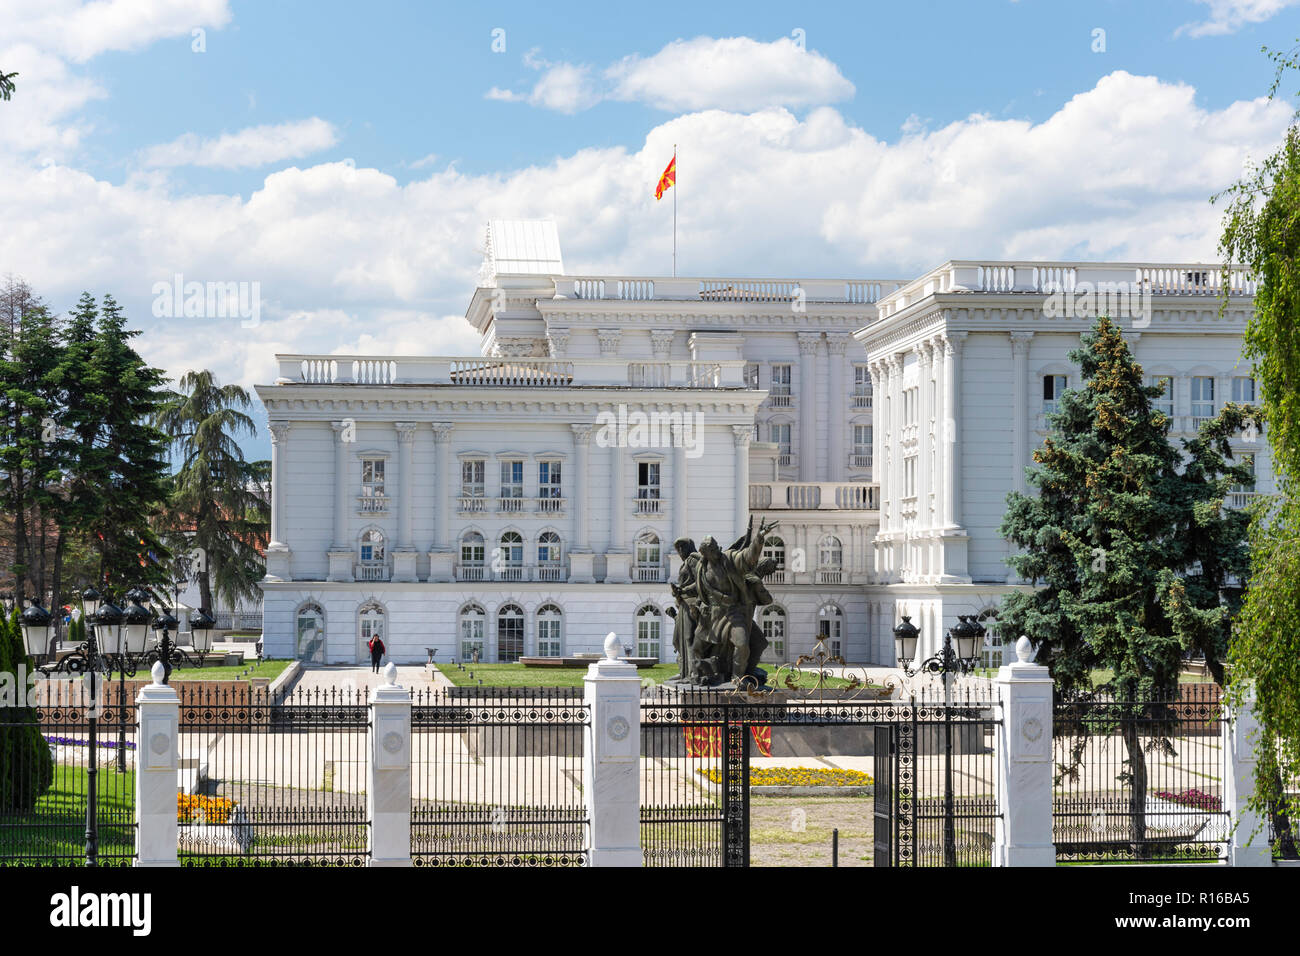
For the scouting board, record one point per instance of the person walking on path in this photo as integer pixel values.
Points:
(376, 652)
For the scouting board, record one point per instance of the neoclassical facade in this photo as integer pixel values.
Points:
(526, 502)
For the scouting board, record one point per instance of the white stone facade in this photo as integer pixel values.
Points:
(528, 500)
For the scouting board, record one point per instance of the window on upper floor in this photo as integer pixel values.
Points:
(1248, 486)
(372, 477)
(774, 548)
(1243, 390)
(548, 548)
(472, 549)
(751, 375)
(862, 445)
(1053, 389)
(911, 401)
(512, 479)
(647, 550)
(512, 547)
(830, 553)
(471, 478)
(780, 434)
(909, 477)
(861, 386)
(548, 480)
(779, 392)
(1202, 399)
(1165, 403)
(647, 479)
(372, 547)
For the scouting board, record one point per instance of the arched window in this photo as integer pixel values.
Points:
(991, 654)
(647, 631)
(472, 555)
(472, 632)
(371, 617)
(372, 546)
(511, 552)
(830, 629)
(550, 557)
(310, 634)
(649, 559)
(510, 634)
(550, 631)
(830, 554)
(772, 620)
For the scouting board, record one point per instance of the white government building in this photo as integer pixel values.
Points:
(526, 502)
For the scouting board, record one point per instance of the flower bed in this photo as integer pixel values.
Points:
(1196, 799)
(796, 777)
(194, 808)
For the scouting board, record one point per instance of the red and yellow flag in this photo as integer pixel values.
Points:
(706, 741)
(668, 179)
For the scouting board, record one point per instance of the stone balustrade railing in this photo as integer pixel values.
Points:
(662, 289)
(505, 372)
(814, 496)
(1045, 278)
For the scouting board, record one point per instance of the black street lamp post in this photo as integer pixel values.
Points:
(967, 635)
(99, 614)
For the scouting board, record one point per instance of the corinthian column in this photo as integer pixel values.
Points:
(345, 433)
(442, 464)
(405, 445)
(953, 342)
(578, 492)
(279, 439)
(837, 344)
(1020, 403)
(742, 437)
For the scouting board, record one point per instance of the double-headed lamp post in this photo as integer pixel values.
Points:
(38, 630)
(967, 636)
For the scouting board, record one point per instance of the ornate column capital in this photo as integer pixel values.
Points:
(808, 342)
(742, 435)
(406, 431)
(661, 342)
(441, 431)
(953, 342)
(345, 431)
(837, 343)
(279, 431)
(609, 340)
(1020, 342)
(557, 341)
(582, 432)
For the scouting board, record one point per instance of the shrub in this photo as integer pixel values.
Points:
(24, 753)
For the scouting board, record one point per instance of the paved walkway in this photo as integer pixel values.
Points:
(414, 677)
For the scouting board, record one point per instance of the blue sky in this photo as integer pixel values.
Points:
(345, 157)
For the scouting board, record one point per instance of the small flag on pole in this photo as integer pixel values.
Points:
(668, 179)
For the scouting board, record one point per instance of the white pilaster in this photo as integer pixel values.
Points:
(837, 344)
(615, 565)
(681, 484)
(388, 790)
(580, 555)
(404, 553)
(157, 755)
(611, 759)
(1023, 752)
(808, 343)
(277, 551)
(742, 435)
(441, 555)
(953, 342)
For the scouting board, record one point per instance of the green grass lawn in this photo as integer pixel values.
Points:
(54, 831)
(270, 669)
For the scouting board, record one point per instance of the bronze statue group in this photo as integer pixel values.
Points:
(717, 591)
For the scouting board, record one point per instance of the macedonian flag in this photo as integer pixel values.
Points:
(668, 179)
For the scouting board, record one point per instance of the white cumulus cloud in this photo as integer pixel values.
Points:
(1229, 16)
(250, 147)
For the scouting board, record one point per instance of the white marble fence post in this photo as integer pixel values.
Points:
(1023, 832)
(388, 792)
(157, 760)
(611, 759)
(1241, 730)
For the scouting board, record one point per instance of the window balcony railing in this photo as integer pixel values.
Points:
(1240, 499)
(647, 506)
(1199, 420)
(550, 505)
(785, 460)
(471, 572)
(807, 496)
(860, 461)
(780, 399)
(372, 504)
(510, 504)
(649, 573)
(510, 572)
(552, 572)
(830, 576)
(779, 576)
(370, 572)
(861, 399)
(473, 504)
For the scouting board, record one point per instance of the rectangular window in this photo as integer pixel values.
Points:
(471, 478)
(548, 637)
(751, 375)
(1202, 399)
(1243, 390)
(647, 480)
(861, 386)
(862, 449)
(781, 437)
(1250, 485)
(372, 477)
(909, 477)
(512, 479)
(779, 392)
(647, 637)
(1053, 389)
(548, 480)
(1165, 403)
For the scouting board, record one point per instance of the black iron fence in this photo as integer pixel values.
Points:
(497, 778)
(1140, 781)
(272, 779)
(723, 774)
(46, 772)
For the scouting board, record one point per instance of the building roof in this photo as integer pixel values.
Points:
(523, 246)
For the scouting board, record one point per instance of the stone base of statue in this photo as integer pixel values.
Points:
(754, 680)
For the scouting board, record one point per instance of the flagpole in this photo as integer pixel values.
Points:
(674, 210)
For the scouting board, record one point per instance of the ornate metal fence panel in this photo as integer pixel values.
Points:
(700, 751)
(1140, 781)
(267, 780)
(46, 778)
(497, 778)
